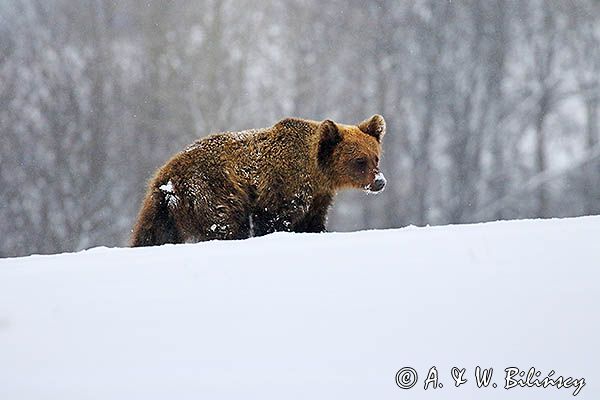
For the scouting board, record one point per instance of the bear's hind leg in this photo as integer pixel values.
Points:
(228, 227)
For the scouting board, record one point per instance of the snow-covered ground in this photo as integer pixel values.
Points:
(312, 316)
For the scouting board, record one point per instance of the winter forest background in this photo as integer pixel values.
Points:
(491, 106)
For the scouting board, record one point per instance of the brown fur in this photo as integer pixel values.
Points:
(237, 184)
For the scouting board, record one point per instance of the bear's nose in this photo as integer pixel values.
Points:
(379, 182)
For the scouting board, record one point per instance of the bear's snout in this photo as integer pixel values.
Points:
(378, 183)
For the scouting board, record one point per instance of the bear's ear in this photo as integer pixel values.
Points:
(329, 137)
(374, 126)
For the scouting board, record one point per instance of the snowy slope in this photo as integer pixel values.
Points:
(312, 316)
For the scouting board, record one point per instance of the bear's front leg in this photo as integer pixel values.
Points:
(311, 224)
(315, 219)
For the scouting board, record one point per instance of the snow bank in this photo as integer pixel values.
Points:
(289, 316)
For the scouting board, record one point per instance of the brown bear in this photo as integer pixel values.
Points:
(235, 185)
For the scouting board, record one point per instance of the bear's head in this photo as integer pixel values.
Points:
(350, 154)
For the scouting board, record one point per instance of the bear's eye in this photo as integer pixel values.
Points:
(360, 164)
